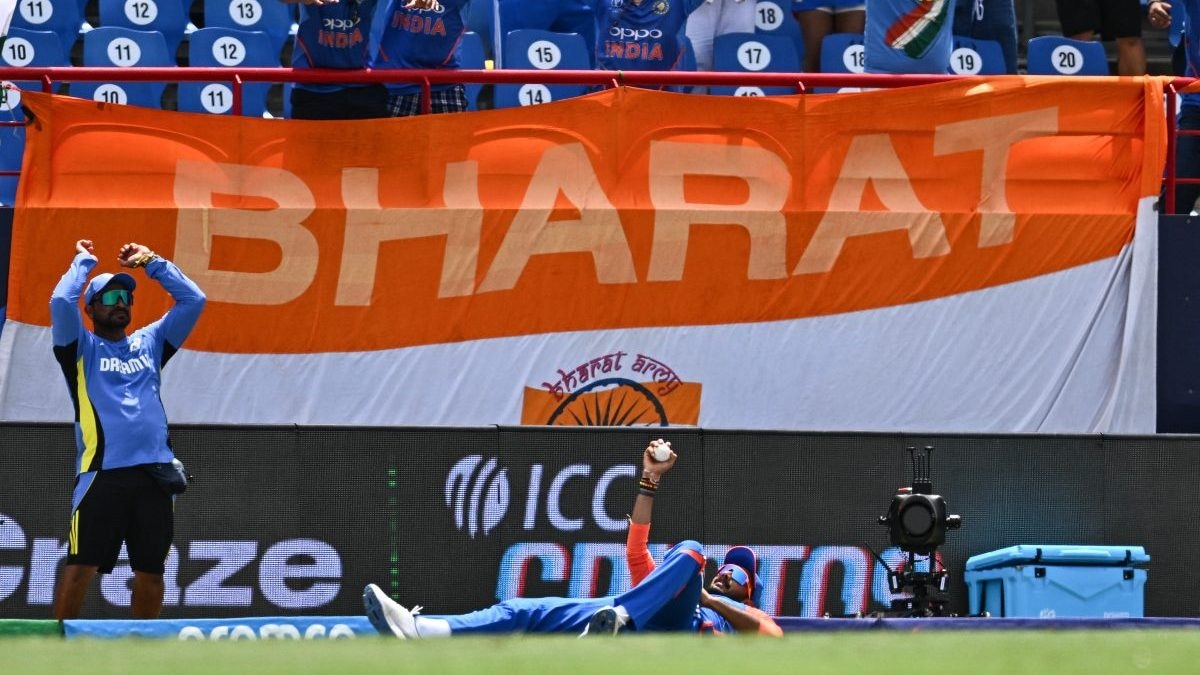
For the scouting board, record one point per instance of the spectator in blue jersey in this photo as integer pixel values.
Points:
(909, 36)
(818, 18)
(641, 35)
(126, 476)
(666, 597)
(1187, 148)
(421, 35)
(334, 34)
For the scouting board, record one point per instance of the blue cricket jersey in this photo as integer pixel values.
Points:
(909, 36)
(418, 39)
(333, 36)
(641, 34)
(114, 385)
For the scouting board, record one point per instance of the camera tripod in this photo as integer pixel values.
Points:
(927, 588)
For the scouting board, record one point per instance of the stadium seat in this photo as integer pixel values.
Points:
(32, 48)
(124, 47)
(12, 147)
(754, 53)
(1055, 55)
(168, 17)
(842, 53)
(977, 57)
(12, 138)
(541, 50)
(775, 17)
(471, 57)
(481, 20)
(21, 48)
(226, 47)
(275, 18)
(64, 19)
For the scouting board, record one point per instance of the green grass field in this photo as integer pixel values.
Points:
(977, 652)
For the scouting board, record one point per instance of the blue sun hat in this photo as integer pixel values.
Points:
(102, 281)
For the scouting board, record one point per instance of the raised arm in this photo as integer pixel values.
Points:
(178, 322)
(637, 553)
(66, 321)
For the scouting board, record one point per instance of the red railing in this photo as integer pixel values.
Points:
(801, 82)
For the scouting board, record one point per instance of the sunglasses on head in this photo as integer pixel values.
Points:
(736, 573)
(110, 298)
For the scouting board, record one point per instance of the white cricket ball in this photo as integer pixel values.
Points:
(661, 452)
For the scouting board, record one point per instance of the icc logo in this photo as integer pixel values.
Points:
(488, 493)
(478, 493)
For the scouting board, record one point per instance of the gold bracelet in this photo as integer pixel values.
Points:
(145, 259)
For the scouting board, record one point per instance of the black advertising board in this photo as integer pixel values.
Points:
(294, 521)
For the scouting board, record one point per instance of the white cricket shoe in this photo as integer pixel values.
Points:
(606, 621)
(388, 616)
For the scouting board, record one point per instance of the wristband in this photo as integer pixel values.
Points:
(647, 485)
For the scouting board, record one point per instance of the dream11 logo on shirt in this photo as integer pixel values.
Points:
(478, 493)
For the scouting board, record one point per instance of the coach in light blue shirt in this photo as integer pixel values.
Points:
(126, 482)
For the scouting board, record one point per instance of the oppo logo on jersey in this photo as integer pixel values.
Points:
(339, 24)
(625, 33)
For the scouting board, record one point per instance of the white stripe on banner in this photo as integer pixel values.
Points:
(1071, 352)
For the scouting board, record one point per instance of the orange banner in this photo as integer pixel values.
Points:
(621, 209)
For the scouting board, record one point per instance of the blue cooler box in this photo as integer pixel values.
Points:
(1054, 581)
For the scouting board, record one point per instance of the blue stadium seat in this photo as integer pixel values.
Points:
(541, 50)
(168, 17)
(12, 147)
(225, 47)
(12, 138)
(124, 47)
(471, 57)
(977, 57)
(22, 48)
(754, 53)
(481, 20)
(842, 53)
(32, 48)
(64, 19)
(1055, 55)
(775, 17)
(275, 18)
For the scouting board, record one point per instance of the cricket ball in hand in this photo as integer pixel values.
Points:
(661, 452)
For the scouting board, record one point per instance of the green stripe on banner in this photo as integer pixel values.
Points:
(26, 627)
